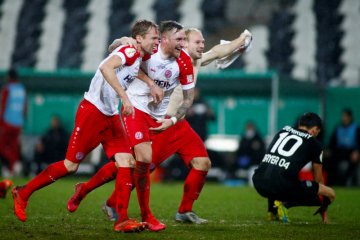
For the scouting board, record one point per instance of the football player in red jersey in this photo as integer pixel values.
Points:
(97, 120)
(169, 67)
(179, 138)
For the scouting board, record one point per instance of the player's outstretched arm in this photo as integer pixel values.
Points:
(224, 50)
(107, 69)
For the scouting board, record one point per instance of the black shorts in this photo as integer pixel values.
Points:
(286, 190)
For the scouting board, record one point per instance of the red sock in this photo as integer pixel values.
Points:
(47, 176)
(105, 174)
(142, 183)
(124, 186)
(192, 188)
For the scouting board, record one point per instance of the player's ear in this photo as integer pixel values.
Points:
(139, 38)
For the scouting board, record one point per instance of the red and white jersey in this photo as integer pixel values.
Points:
(101, 94)
(167, 74)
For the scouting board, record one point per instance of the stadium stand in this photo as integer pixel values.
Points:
(143, 9)
(166, 10)
(190, 12)
(214, 15)
(328, 41)
(120, 19)
(28, 33)
(10, 11)
(281, 36)
(256, 61)
(350, 9)
(305, 39)
(96, 41)
(51, 35)
(72, 43)
(312, 40)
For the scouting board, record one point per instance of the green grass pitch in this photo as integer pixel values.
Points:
(233, 213)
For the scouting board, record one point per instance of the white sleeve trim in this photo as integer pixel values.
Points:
(188, 86)
(122, 57)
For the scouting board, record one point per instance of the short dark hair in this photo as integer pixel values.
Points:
(142, 27)
(168, 25)
(12, 73)
(310, 120)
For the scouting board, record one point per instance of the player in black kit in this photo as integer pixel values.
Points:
(276, 178)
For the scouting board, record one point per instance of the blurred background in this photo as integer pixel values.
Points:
(305, 57)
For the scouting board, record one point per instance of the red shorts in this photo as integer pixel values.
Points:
(180, 139)
(91, 128)
(138, 126)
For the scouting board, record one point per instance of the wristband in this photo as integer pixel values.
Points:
(173, 119)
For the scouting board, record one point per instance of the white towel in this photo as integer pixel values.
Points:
(227, 61)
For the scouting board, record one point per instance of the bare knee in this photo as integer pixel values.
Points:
(71, 166)
(124, 160)
(201, 163)
(143, 152)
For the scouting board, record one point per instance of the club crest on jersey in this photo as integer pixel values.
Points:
(139, 135)
(168, 73)
(79, 155)
(130, 52)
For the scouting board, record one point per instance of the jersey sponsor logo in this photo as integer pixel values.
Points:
(129, 78)
(139, 135)
(168, 73)
(79, 155)
(130, 52)
(189, 78)
(276, 160)
(298, 133)
(162, 84)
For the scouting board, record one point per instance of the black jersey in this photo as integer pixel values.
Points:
(290, 150)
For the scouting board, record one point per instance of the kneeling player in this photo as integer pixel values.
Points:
(276, 178)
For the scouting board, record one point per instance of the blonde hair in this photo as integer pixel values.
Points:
(142, 27)
(190, 30)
